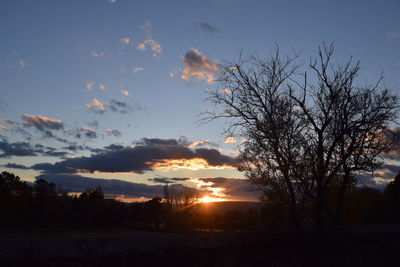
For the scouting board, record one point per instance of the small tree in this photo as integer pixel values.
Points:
(305, 128)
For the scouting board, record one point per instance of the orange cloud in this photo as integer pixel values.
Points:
(126, 40)
(230, 140)
(149, 43)
(191, 164)
(97, 105)
(198, 67)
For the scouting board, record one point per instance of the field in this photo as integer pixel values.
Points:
(356, 247)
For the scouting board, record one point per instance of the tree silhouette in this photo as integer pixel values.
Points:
(306, 128)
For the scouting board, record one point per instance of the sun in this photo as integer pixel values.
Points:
(208, 199)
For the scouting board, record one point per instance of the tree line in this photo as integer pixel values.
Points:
(41, 205)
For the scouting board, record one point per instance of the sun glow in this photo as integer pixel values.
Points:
(208, 199)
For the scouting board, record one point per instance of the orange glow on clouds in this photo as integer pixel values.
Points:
(217, 193)
(191, 164)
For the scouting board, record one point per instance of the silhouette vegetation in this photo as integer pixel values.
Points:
(41, 205)
(308, 130)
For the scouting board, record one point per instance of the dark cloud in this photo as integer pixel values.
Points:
(113, 132)
(16, 149)
(42, 123)
(161, 180)
(164, 180)
(86, 132)
(77, 183)
(93, 123)
(140, 158)
(114, 147)
(208, 28)
(214, 157)
(15, 166)
(26, 149)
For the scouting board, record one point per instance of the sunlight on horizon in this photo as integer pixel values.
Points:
(208, 199)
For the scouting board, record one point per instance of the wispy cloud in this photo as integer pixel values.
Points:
(86, 132)
(393, 34)
(102, 86)
(208, 28)
(22, 64)
(137, 69)
(112, 1)
(113, 132)
(198, 67)
(124, 92)
(126, 41)
(149, 43)
(95, 54)
(89, 85)
(114, 105)
(172, 74)
(15, 61)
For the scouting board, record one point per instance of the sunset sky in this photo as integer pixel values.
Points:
(112, 89)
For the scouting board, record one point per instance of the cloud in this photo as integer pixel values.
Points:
(86, 132)
(137, 69)
(229, 188)
(16, 149)
(15, 61)
(208, 28)
(15, 166)
(126, 40)
(120, 106)
(89, 85)
(97, 106)
(149, 43)
(230, 140)
(112, 1)
(125, 92)
(172, 74)
(22, 64)
(202, 143)
(42, 123)
(102, 86)
(115, 106)
(95, 54)
(164, 180)
(78, 183)
(113, 132)
(198, 67)
(23, 149)
(146, 155)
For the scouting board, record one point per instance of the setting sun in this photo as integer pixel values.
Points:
(208, 199)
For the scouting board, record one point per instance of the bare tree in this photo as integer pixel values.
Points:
(176, 198)
(305, 128)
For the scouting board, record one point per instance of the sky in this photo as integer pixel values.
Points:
(110, 92)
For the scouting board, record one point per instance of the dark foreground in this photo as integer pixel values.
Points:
(357, 247)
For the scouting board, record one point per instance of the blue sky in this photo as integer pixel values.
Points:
(114, 72)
